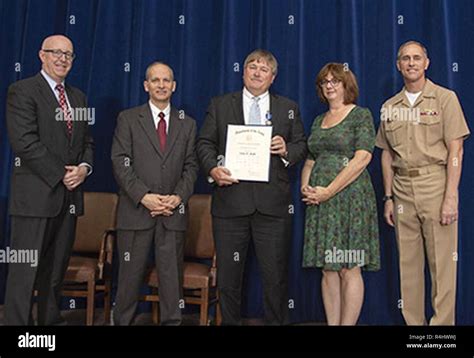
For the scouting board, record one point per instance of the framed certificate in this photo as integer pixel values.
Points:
(247, 153)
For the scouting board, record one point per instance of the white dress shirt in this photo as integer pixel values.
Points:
(52, 84)
(263, 103)
(155, 111)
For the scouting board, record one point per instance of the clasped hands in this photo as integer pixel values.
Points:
(315, 195)
(75, 176)
(223, 177)
(159, 204)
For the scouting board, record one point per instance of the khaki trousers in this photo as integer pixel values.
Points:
(418, 202)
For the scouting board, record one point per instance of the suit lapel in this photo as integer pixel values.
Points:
(277, 114)
(175, 127)
(46, 92)
(48, 95)
(146, 121)
(274, 108)
(237, 106)
(73, 101)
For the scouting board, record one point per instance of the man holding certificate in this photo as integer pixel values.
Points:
(248, 140)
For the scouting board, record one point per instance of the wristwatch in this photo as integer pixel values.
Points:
(387, 197)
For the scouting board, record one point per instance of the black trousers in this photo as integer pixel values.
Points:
(271, 238)
(53, 238)
(134, 249)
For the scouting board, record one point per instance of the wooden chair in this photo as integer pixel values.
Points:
(200, 280)
(90, 267)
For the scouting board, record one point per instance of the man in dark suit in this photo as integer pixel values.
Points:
(253, 210)
(155, 165)
(53, 156)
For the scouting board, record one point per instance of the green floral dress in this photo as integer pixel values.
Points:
(343, 231)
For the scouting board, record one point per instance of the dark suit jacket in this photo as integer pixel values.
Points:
(140, 167)
(272, 198)
(43, 147)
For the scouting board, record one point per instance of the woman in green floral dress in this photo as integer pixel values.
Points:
(341, 233)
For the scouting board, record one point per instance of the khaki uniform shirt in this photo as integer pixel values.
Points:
(418, 135)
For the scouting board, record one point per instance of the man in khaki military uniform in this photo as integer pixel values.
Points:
(421, 133)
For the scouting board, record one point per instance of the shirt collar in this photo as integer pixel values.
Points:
(52, 83)
(155, 110)
(428, 91)
(249, 95)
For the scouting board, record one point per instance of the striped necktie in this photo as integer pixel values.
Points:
(254, 114)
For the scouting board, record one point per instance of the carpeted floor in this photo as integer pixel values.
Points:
(77, 317)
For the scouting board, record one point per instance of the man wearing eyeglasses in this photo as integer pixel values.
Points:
(53, 156)
(421, 134)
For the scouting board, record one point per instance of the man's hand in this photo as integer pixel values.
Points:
(173, 200)
(222, 176)
(170, 203)
(75, 176)
(388, 213)
(449, 210)
(155, 203)
(278, 146)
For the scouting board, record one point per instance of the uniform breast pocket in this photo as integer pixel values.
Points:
(431, 129)
(394, 132)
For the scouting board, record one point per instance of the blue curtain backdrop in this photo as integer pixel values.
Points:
(206, 41)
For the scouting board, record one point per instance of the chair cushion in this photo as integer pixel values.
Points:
(82, 269)
(196, 275)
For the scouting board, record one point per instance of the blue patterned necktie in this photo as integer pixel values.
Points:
(254, 114)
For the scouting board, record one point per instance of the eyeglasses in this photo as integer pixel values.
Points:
(58, 54)
(334, 82)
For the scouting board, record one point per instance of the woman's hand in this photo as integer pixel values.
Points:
(322, 194)
(305, 189)
(309, 195)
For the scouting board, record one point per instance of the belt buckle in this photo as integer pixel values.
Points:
(413, 173)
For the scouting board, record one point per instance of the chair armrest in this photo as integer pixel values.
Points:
(106, 251)
(213, 272)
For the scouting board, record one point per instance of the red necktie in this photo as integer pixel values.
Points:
(161, 131)
(65, 108)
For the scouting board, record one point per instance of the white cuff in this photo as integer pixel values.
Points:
(89, 168)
